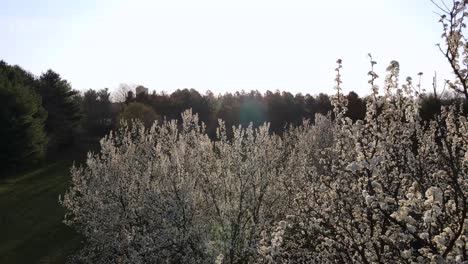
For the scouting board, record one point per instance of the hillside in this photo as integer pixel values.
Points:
(31, 225)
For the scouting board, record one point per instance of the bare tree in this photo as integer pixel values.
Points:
(120, 94)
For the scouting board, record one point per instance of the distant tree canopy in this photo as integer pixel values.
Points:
(23, 140)
(280, 109)
(63, 109)
(431, 105)
(139, 111)
(356, 107)
(98, 117)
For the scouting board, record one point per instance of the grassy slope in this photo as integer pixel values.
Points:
(31, 228)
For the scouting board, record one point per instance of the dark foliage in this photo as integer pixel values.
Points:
(22, 137)
(141, 112)
(280, 109)
(58, 98)
(98, 115)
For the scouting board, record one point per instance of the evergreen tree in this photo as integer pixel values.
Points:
(63, 111)
(22, 137)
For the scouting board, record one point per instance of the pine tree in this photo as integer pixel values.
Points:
(22, 137)
(64, 113)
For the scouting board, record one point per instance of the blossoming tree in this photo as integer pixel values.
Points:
(387, 189)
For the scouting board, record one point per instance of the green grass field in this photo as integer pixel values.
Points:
(31, 228)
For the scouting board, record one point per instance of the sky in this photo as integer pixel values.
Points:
(222, 46)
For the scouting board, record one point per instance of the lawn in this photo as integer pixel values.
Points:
(31, 228)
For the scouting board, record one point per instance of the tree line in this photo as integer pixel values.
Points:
(42, 116)
(279, 109)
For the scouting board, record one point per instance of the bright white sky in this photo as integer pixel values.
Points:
(222, 46)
